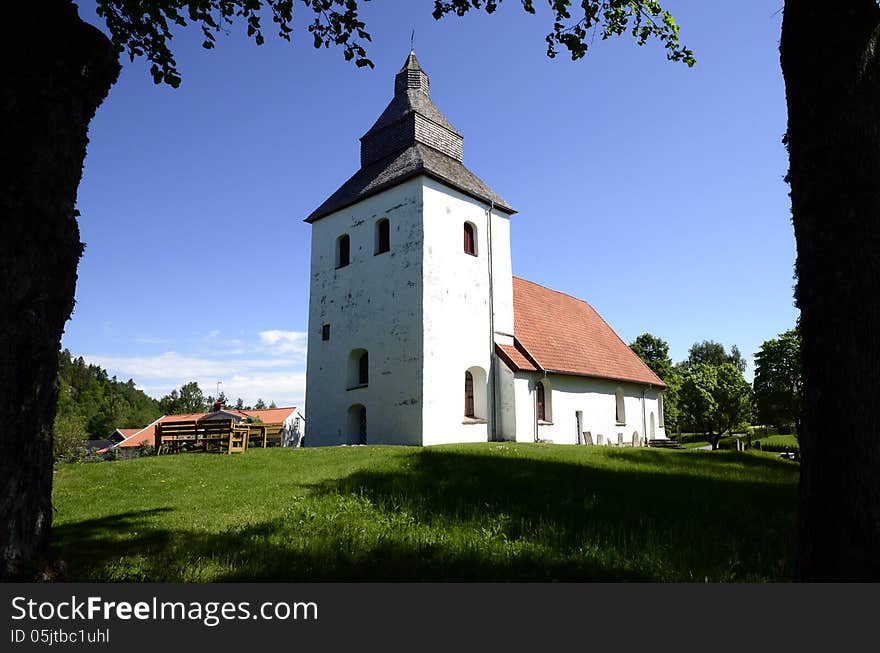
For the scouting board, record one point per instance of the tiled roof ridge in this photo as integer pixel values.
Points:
(559, 292)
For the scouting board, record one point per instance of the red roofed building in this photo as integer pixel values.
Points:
(290, 417)
(418, 331)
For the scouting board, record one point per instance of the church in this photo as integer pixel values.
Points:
(419, 334)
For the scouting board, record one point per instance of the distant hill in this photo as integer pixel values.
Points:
(101, 402)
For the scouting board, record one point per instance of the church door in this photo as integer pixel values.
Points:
(579, 420)
(362, 426)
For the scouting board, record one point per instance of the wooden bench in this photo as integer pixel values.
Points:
(263, 435)
(207, 435)
(171, 436)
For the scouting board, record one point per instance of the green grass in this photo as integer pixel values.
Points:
(778, 443)
(496, 511)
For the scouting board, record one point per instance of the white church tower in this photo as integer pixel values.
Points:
(410, 288)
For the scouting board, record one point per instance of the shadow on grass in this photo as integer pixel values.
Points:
(450, 515)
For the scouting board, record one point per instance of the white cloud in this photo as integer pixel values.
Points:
(171, 365)
(151, 340)
(284, 342)
(270, 367)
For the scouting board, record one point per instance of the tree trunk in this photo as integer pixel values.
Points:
(58, 71)
(829, 63)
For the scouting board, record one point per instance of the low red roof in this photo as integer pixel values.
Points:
(565, 334)
(147, 435)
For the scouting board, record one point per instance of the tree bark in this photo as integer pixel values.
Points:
(829, 62)
(58, 71)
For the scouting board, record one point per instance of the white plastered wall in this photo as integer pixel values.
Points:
(374, 303)
(456, 307)
(595, 398)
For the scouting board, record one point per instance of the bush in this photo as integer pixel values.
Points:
(68, 435)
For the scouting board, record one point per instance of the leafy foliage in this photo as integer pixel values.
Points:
(710, 352)
(68, 435)
(143, 27)
(643, 19)
(716, 398)
(778, 384)
(190, 399)
(654, 352)
(88, 396)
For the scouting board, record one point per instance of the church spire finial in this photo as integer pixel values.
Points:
(412, 38)
(411, 77)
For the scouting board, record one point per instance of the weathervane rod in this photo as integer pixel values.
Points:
(412, 38)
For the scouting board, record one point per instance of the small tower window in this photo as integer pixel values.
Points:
(383, 236)
(325, 332)
(358, 369)
(364, 369)
(343, 251)
(470, 240)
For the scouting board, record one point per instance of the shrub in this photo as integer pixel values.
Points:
(68, 436)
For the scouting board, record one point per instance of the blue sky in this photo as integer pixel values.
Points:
(651, 190)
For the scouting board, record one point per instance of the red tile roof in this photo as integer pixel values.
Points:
(514, 358)
(566, 335)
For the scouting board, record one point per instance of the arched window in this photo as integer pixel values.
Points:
(541, 399)
(364, 369)
(383, 236)
(475, 406)
(470, 239)
(343, 251)
(358, 368)
(620, 408)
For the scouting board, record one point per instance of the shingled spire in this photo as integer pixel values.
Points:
(411, 137)
(411, 117)
(411, 76)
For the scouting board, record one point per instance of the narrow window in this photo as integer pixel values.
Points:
(383, 236)
(325, 332)
(539, 390)
(343, 247)
(620, 410)
(364, 369)
(470, 246)
(660, 411)
(468, 394)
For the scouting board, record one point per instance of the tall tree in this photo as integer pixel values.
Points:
(715, 397)
(654, 352)
(189, 399)
(778, 380)
(831, 68)
(710, 352)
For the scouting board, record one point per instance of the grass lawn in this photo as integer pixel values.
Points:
(494, 511)
(778, 442)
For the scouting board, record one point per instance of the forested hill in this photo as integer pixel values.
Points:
(100, 403)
